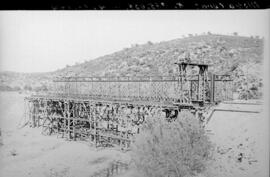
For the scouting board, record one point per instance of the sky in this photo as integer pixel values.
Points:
(43, 41)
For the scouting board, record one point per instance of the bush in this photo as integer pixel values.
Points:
(179, 148)
(250, 94)
(27, 87)
(150, 43)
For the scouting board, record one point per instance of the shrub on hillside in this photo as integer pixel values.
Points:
(176, 149)
(27, 87)
(251, 93)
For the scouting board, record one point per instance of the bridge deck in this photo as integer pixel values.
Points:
(151, 101)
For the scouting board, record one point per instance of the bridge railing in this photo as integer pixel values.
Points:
(155, 88)
(149, 87)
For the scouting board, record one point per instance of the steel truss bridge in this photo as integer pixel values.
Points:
(108, 111)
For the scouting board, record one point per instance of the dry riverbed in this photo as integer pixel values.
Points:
(239, 139)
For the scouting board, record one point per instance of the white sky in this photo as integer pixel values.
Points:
(39, 41)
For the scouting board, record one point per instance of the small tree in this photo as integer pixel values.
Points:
(176, 149)
(16, 88)
(150, 43)
(27, 87)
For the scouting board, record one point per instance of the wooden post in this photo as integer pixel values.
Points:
(91, 124)
(95, 125)
(75, 115)
(212, 88)
(37, 112)
(65, 118)
(34, 114)
(69, 133)
(46, 109)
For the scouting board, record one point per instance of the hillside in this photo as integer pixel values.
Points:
(13, 81)
(224, 52)
(236, 55)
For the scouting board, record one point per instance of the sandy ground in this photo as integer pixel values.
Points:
(240, 141)
(26, 152)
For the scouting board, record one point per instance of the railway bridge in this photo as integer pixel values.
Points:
(108, 111)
